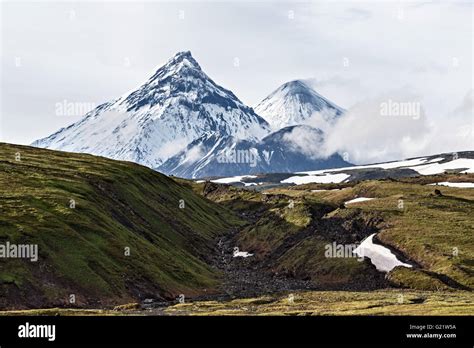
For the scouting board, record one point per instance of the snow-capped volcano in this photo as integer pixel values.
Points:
(296, 103)
(174, 107)
(298, 116)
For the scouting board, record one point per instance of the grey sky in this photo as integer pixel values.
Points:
(91, 52)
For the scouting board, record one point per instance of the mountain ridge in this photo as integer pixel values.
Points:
(179, 107)
(295, 103)
(176, 105)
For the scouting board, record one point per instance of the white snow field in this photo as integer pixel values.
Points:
(380, 256)
(438, 168)
(455, 184)
(321, 179)
(235, 179)
(421, 165)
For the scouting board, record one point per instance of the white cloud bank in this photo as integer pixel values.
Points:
(368, 134)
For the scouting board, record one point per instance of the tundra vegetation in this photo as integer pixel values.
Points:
(114, 234)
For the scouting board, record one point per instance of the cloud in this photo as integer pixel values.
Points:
(171, 148)
(368, 134)
(456, 133)
(358, 13)
(194, 154)
(323, 120)
(306, 140)
(395, 126)
(356, 50)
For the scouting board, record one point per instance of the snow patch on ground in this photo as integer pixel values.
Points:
(336, 189)
(238, 253)
(439, 168)
(233, 179)
(406, 163)
(421, 165)
(455, 184)
(359, 199)
(325, 176)
(380, 256)
(320, 179)
(437, 159)
(388, 165)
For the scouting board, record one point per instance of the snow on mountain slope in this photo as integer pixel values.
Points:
(283, 151)
(462, 162)
(176, 106)
(438, 168)
(295, 103)
(212, 154)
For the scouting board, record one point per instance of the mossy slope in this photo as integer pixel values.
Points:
(119, 206)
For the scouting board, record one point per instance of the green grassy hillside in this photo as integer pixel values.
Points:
(433, 230)
(85, 213)
(289, 235)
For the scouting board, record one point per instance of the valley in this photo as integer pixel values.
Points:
(181, 236)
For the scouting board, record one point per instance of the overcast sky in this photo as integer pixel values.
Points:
(353, 52)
